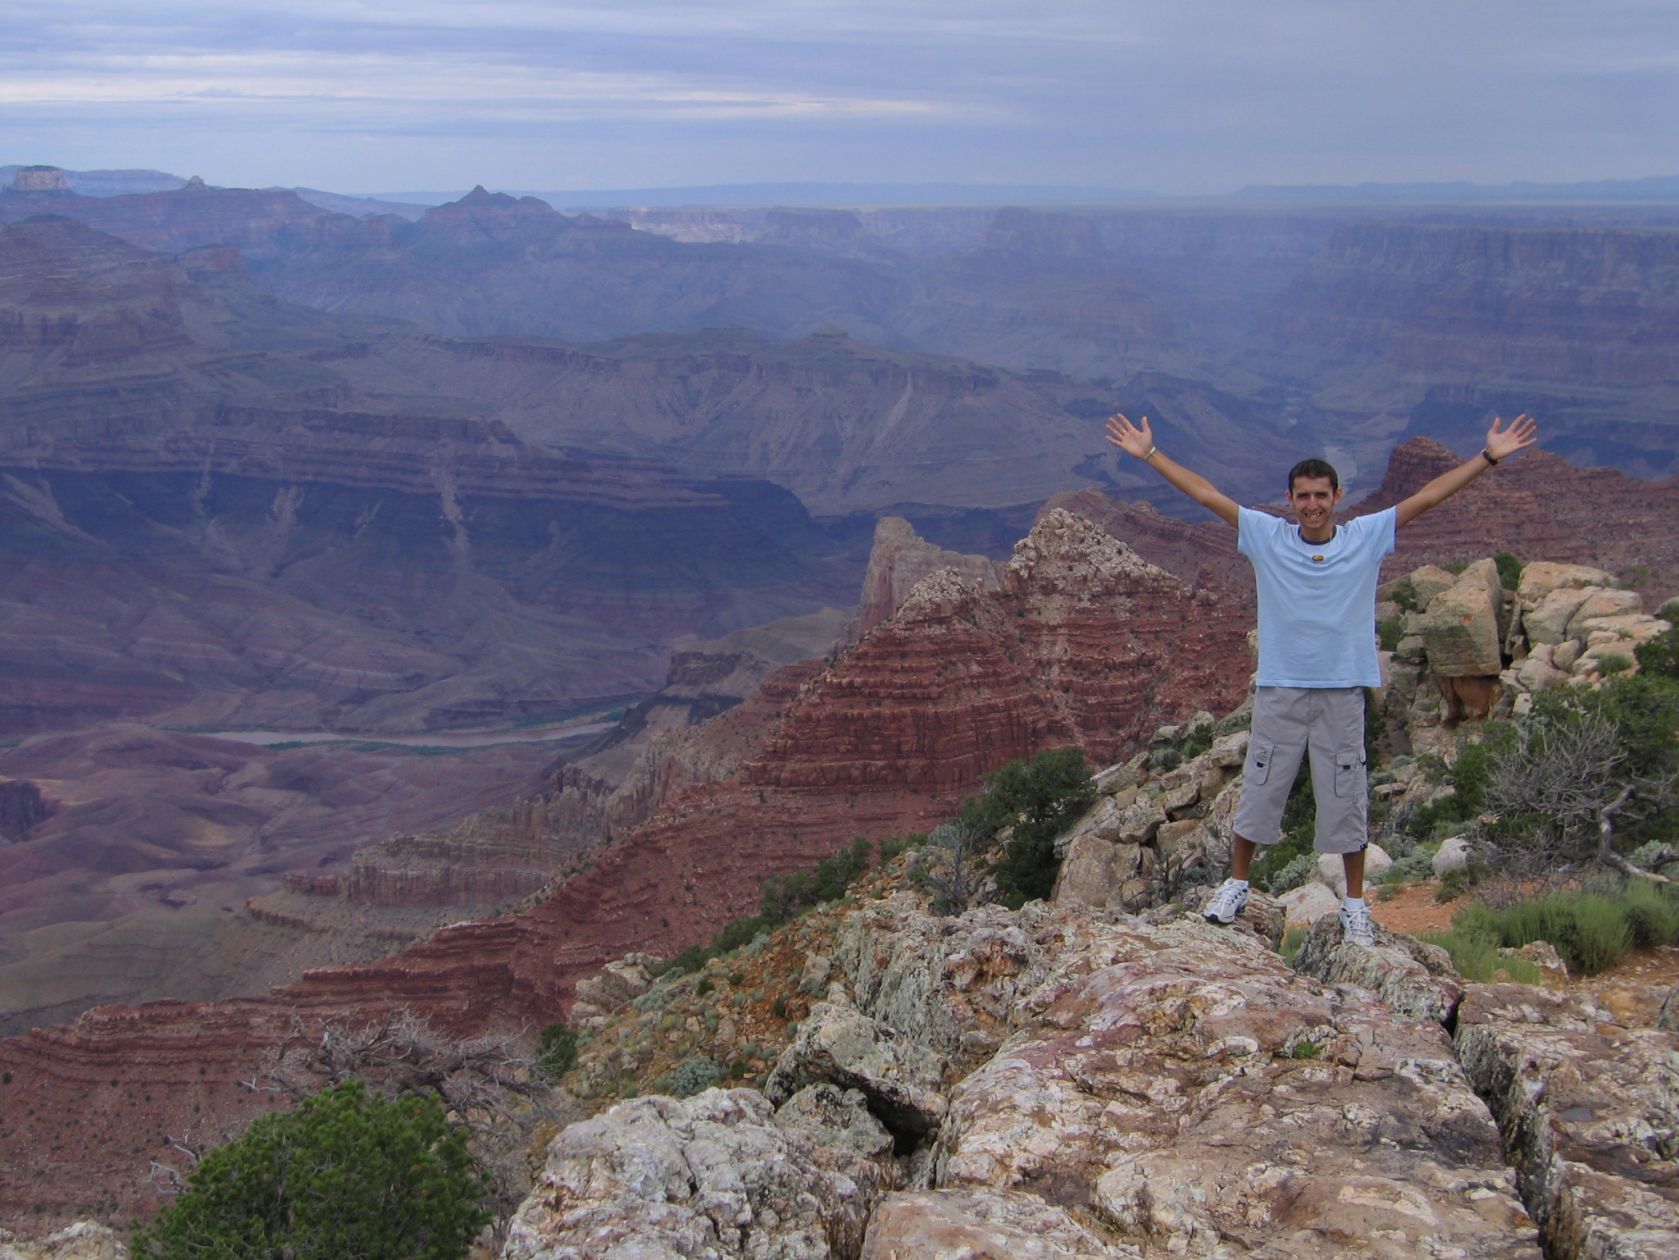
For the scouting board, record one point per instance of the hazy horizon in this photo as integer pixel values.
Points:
(1200, 98)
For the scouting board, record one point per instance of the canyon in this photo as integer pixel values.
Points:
(268, 465)
(1078, 639)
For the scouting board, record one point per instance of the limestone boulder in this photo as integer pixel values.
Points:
(1460, 630)
(838, 1045)
(1590, 1111)
(1538, 673)
(1100, 873)
(1452, 855)
(612, 987)
(1547, 621)
(1542, 577)
(710, 1176)
(1414, 979)
(1183, 1085)
(1229, 751)
(1429, 581)
(1599, 605)
(1125, 775)
(832, 1117)
(970, 1224)
(1308, 903)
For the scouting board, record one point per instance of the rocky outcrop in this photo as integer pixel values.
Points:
(899, 560)
(713, 1175)
(839, 1046)
(1472, 650)
(1590, 1113)
(959, 1224)
(1413, 978)
(1128, 1091)
(39, 179)
(84, 1240)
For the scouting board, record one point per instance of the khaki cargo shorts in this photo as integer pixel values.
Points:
(1288, 723)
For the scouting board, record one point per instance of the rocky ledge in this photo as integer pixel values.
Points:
(1053, 1082)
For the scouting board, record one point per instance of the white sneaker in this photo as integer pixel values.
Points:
(1357, 928)
(1228, 902)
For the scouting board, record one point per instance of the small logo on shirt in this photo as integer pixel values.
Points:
(1318, 558)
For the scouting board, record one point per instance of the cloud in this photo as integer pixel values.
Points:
(1186, 95)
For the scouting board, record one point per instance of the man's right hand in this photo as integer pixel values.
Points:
(1136, 440)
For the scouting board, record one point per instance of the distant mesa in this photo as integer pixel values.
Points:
(39, 179)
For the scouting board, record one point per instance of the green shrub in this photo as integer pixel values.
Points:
(1509, 570)
(556, 1049)
(894, 845)
(1294, 939)
(1453, 884)
(788, 896)
(1614, 663)
(346, 1174)
(1653, 856)
(1590, 930)
(1039, 798)
(1404, 593)
(1659, 658)
(1415, 865)
(1299, 870)
(1166, 757)
(1478, 959)
(1652, 912)
(692, 1075)
(1389, 631)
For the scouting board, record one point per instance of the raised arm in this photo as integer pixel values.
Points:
(1138, 441)
(1501, 443)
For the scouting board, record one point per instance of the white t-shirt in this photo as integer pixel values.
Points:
(1317, 601)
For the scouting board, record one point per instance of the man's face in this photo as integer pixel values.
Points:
(1313, 501)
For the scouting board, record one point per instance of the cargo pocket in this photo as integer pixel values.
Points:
(1349, 772)
(1260, 757)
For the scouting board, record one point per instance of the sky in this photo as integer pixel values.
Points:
(1174, 96)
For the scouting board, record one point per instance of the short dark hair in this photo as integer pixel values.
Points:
(1313, 468)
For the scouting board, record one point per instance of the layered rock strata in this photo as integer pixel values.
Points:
(898, 561)
(1074, 648)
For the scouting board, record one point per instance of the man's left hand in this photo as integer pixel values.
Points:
(1502, 442)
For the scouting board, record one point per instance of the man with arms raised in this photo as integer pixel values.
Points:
(1317, 649)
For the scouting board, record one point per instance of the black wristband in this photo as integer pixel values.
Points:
(1487, 455)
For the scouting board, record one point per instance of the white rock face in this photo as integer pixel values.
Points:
(1460, 629)
(1452, 855)
(84, 1240)
(1309, 903)
(968, 1224)
(1602, 604)
(1190, 1089)
(1542, 577)
(1547, 621)
(1429, 581)
(708, 1176)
